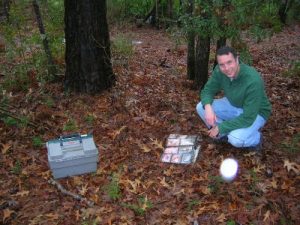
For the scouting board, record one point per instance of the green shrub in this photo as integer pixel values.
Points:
(9, 121)
(37, 142)
(294, 71)
(141, 207)
(113, 188)
(292, 146)
(122, 47)
(70, 125)
(17, 168)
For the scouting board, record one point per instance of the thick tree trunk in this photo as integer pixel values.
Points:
(202, 60)
(191, 46)
(88, 58)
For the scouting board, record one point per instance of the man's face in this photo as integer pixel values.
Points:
(228, 65)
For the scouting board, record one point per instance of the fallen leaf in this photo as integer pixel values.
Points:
(6, 214)
(83, 190)
(115, 133)
(267, 215)
(274, 183)
(52, 216)
(221, 218)
(157, 144)
(5, 148)
(292, 166)
(164, 183)
(22, 193)
(144, 147)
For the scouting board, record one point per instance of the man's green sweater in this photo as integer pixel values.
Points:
(246, 91)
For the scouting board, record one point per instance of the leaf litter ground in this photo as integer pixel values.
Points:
(153, 98)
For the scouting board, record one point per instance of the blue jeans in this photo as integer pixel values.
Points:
(243, 137)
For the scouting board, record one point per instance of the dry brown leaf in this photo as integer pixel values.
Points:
(22, 193)
(134, 185)
(221, 218)
(6, 214)
(259, 168)
(5, 148)
(274, 183)
(157, 144)
(164, 183)
(52, 216)
(83, 190)
(144, 147)
(291, 166)
(115, 133)
(267, 216)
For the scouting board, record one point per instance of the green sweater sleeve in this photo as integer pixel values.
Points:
(211, 88)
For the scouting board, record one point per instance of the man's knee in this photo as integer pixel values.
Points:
(200, 109)
(236, 141)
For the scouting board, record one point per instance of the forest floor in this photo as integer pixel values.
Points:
(152, 99)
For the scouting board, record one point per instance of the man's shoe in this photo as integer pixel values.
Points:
(258, 147)
(223, 139)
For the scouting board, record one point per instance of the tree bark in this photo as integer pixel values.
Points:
(191, 45)
(202, 60)
(220, 43)
(88, 57)
(283, 9)
(51, 66)
(170, 9)
(6, 7)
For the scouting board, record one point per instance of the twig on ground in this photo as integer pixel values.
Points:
(66, 192)
(10, 114)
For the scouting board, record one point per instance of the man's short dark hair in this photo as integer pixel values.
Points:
(225, 50)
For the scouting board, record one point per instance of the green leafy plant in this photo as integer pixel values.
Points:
(294, 71)
(37, 142)
(122, 47)
(230, 222)
(215, 183)
(192, 204)
(89, 119)
(292, 146)
(141, 207)
(49, 101)
(70, 125)
(17, 168)
(113, 188)
(9, 121)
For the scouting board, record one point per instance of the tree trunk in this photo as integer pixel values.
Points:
(202, 60)
(6, 7)
(51, 66)
(151, 16)
(88, 57)
(170, 9)
(220, 43)
(191, 46)
(283, 9)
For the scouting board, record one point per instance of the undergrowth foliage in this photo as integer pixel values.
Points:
(23, 44)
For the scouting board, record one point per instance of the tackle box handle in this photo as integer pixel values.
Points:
(68, 136)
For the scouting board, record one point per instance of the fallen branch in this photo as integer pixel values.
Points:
(10, 114)
(66, 192)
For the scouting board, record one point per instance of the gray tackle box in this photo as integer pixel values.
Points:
(73, 154)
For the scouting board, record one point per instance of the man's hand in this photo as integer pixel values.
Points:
(210, 115)
(213, 132)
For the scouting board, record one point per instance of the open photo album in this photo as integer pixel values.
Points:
(181, 149)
